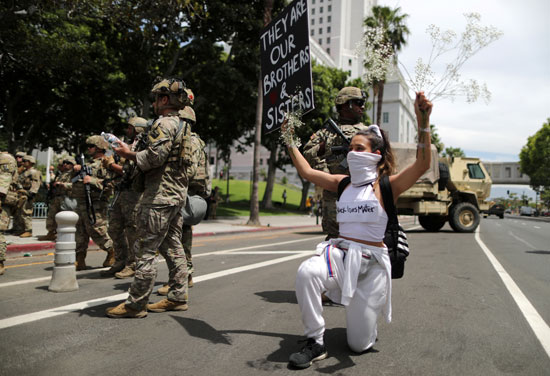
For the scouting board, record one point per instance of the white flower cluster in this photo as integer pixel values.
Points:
(377, 54)
(449, 84)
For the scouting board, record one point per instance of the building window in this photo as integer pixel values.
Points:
(328, 51)
(385, 117)
(312, 11)
(329, 18)
(329, 8)
(261, 161)
(328, 40)
(320, 41)
(211, 161)
(320, 30)
(320, 20)
(313, 21)
(312, 32)
(321, 10)
(328, 29)
(349, 72)
(312, 2)
(508, 172)
(349, 61)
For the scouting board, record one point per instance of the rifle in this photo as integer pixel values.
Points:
(51, 190)
(86, 171)
(331, 126)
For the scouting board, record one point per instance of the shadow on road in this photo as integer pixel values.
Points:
(539, 252)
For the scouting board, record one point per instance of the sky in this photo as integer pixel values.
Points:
(516, 69)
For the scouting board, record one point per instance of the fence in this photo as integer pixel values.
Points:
(40, 210)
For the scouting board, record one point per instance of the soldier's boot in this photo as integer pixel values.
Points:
(115, 268)
(167, 305)
(26, 234)
(123, 311)
(81, 261)
(163, 290)
(127, 272)
(190, 281)
(110, 259)
(51, 235)
(2, 268)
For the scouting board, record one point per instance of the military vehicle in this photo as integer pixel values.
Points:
(453, 190)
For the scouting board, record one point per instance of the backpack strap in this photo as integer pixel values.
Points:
(387, 197)
(342, 185)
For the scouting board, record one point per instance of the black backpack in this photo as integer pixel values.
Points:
(395, 237)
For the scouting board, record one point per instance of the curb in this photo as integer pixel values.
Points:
(51, 245)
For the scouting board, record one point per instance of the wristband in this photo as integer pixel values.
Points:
(426, 130)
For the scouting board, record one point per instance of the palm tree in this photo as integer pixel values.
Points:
(393, 22)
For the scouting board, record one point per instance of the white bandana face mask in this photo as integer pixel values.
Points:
(363, 167)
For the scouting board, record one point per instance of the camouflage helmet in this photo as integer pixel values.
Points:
(175, 89)
(70, 160)
(29, 158)
(348, 93)
(98, 141)
(20, 154)
(188, 113)
(190, 96)
(139, 123)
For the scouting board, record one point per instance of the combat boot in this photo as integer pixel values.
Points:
(127, 272)
(190, 281)
(163, 290)
(51, 235)
(81, 261)
(26, 234)
(167, 305)
(2, 268)
(123, 311)
(115, 268)
(110, 259)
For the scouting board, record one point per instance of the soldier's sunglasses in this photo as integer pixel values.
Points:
(358, 102)
(90, 146)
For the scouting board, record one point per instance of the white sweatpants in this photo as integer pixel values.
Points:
(368, 300)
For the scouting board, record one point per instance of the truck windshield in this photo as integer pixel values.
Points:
(475, 171)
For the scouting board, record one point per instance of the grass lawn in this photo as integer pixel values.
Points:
(239, 198)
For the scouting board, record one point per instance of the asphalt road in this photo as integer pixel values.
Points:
(453, 314)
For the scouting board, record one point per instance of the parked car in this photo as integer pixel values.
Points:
(526, 210)
(497, 209)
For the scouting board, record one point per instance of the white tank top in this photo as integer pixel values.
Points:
(360, 215)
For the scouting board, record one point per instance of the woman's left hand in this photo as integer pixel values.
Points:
(422, 106)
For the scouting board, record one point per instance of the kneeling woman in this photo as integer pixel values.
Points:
(354, 269)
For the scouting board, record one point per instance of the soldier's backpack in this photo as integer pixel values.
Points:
(394, 237)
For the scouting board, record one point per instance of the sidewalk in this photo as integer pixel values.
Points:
(219, 226)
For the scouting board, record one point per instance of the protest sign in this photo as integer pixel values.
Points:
(286, 65)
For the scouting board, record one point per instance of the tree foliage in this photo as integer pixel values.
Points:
(535, 157)
(453, 152)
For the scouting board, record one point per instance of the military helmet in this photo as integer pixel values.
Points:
(20, 154)
(29, 158)
(98, 141)
(70, 160)
(190, 96)
(175, 89)
(348, 93)
(188, 113)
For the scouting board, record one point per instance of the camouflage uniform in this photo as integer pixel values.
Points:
(8, 198)
(159, 219)
(30, 181)
(320, 155)
(60, 191)
(100, 191)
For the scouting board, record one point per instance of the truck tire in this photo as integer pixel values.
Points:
(464, 217)
(432, 223)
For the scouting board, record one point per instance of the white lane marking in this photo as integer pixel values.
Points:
(521, 240)
(537, 323)
(48, 313)
(161, 259)
(536, 226)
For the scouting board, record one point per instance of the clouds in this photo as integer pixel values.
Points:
(515, 68)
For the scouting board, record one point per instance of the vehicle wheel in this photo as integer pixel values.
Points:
(464, 217)
(501, 216)
(432, 223)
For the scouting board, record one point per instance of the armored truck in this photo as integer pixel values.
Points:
(453, 190)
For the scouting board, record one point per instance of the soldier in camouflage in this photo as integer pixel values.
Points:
(164, 165)
(29, 180)
(60, 188)
(123, 212)
(324, 151)
(19, 159)
(8, 198)
(100, 190)
(199, 184)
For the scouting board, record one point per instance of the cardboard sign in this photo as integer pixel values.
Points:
(286, 65)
